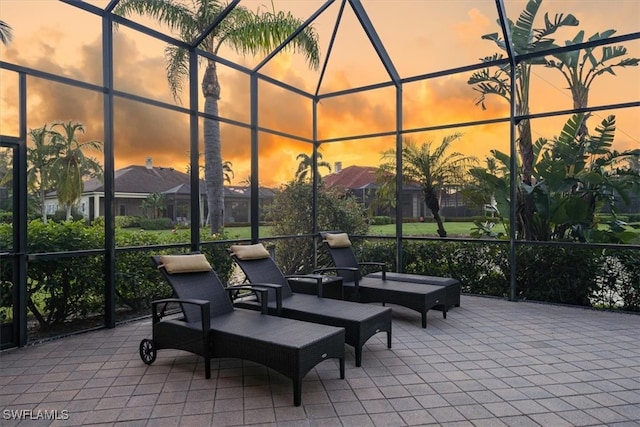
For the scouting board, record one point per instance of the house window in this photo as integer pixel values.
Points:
(122, 210)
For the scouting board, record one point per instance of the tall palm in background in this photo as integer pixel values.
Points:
(305, 167)
(72, 165)
(581, 67)
(242, 30)
(525, 39)
(40, 158)
(6, 33)
(433, 168)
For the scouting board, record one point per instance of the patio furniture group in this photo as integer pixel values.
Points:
(267, 323)
(416, 292)
(360, 321)
(212, 328)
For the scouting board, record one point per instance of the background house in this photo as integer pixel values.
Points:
(134, 183)
(360, 182)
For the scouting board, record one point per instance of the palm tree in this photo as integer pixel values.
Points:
(6, 33)
(526, 39)
(580, 67)
(40, 157)
(72, 165)
(154, 204)
(227, 171)
(577, 175)
(242, 30)
(305, 166)
(432, 168)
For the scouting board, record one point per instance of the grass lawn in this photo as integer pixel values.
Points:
(454, 229)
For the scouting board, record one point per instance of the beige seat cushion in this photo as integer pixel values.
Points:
(243, 252)
(193, 263)
(337, 240)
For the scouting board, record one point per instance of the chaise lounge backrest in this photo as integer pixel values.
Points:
(190, 279)
(342, 255)
(256, 262)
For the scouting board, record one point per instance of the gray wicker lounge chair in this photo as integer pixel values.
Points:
(420, 297)
(360, 321)
(212, 328)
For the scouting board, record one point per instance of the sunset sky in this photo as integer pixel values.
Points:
(421, 36)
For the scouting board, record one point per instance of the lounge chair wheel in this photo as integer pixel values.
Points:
(148, 351)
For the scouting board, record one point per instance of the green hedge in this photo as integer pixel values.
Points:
(63, 289)
(568, 275)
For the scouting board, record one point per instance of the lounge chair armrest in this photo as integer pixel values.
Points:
(337, 270)
(203, 304)
(316, 277)
(263, 290)
(382, 265)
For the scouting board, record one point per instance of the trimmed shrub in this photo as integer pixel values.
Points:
(155, 224)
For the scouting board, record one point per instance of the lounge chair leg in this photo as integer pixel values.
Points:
(342, 368)
(358, 356)
(424, 319)
(388, 339)
(207, 368)
(297, 392)
(444, 311)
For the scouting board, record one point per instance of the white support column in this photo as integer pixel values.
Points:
(96, 206)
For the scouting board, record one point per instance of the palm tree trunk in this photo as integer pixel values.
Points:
(580, 95)
(43, 207)
(432, 203)
(213, 173)
(525, 202)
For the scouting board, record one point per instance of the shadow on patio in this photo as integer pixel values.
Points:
(491, 362)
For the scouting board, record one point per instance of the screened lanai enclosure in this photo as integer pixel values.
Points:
(493, 141)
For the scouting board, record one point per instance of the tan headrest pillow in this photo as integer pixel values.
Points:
(337, 240)
(194, 263)
(243, 252)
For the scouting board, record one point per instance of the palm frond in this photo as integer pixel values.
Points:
(262, 32)
(601, 142)
(171, 13)
(6, 33)
(177, 69)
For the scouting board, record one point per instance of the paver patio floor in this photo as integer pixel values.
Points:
(490, 363)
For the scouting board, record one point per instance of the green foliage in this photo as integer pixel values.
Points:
(381, 220)
(628, 288)
(71, 164)
(291, 214)
(576, 176)
(6, 217)
(154, 205)
(155, 224)
(61, 215)
(566, 275)
(65, 288)
(127, 221)
(432, 168)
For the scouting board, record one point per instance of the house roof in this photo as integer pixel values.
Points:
(352, 178)
(359, 178)
(141, 179)
(146, 180)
